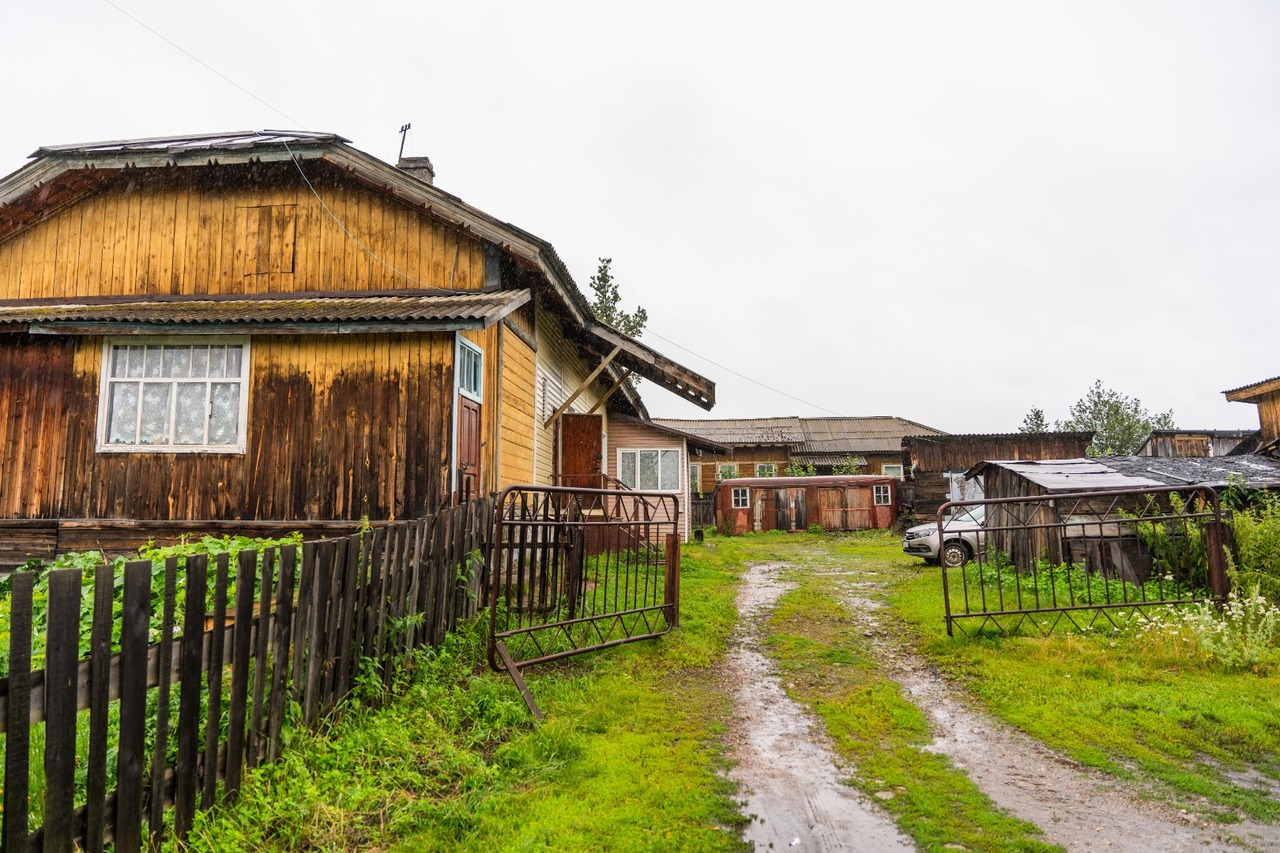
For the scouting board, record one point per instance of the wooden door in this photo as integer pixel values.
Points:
(860, 514)
(581, 451)
(468, 449)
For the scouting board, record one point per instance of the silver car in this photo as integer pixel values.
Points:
(964, 536)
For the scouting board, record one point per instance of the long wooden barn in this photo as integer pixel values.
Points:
(834, 503)
(280, 330)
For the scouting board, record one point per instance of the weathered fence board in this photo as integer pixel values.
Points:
(298, 624)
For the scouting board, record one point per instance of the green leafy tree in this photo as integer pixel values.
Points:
(1034, 422)
(605, 304)
(1119, 423)
(800, 469)
(848, 465)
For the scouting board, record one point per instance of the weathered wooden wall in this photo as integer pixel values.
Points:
(517, 422)
(745, 458)
(931, 458)
(338, 428)
(234, 230)
(560, 369)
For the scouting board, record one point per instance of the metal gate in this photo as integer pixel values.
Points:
(574, 570)
(1081, 559)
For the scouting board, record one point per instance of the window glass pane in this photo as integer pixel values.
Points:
(234, 354)
(122, 414)
(200, 361)
(224, 413)
(154, 428)
(177, 361)
(152, 361)
(217, 361)
(627, 471)
(647, 469)
(188, 427)
(135, 362)
(119, 361)
(669, 476)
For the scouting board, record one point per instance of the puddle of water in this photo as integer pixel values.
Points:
(787, 770)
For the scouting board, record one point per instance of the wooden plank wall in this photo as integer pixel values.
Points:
(560, 370)
(234, 230)
(517, 424)
(338, 428)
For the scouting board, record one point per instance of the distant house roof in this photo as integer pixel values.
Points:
(741, 431)
(450, 310)
(695, 441)
(1124, 472)
(828, 440)
(822, 441)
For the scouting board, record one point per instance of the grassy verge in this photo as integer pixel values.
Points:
(626, 760)
(1148, 707)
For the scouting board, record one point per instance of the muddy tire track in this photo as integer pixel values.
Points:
(787, 770)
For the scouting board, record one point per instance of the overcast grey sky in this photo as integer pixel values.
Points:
(949, 211)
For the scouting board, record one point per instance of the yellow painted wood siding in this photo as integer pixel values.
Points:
(517, 422)
(173, 232)
(560, 370)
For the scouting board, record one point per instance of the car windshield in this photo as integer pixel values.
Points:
(968, 514)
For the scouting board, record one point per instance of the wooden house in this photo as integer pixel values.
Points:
(277, 329)
(1194, 442)
(835, 503)
(936, 464)
(766, 447)
(1266, 396)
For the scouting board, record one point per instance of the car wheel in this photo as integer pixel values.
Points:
(955, 553)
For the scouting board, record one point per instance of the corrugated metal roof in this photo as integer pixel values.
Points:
(227, 141)
(482, 307)
(1264, 386)
(1119, 472)
(1069, 475)
(742, 431)
(877, 434)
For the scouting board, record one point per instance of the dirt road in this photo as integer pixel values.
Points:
(792, 777)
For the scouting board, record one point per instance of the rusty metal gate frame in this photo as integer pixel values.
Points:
(573, 570)
(1093, 524)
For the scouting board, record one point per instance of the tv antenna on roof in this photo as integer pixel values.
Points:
(404, 132)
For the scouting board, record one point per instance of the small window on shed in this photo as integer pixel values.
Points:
(766, 469)
(741, 499)
(883, 496)
(891, 471)
(727, 471)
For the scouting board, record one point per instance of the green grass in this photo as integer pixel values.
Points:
(629, 755)
(627, 759)
(1148, 709)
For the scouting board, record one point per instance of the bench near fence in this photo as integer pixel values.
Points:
(298, 625)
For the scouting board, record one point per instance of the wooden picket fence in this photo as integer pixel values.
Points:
(201, 684)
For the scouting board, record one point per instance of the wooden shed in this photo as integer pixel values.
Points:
(835, 503)
(936, 464)
(273, 329)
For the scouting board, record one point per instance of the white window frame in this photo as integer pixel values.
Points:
(772, 469)
(741, 497)
(623, 451)
(695, 477)
(882, 495)
(466, 348)
(106, 380)
(889, 469)
(720, 470)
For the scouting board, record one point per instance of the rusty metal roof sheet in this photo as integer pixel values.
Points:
(741, 431)
(437, 309)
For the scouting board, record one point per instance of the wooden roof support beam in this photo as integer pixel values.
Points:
(586, 383)
(626, 374)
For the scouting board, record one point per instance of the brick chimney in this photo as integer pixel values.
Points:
(419, 167)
